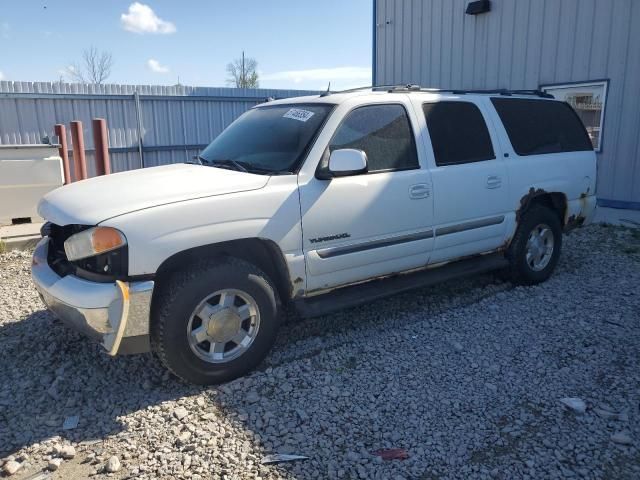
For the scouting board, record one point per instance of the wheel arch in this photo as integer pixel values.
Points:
(555, 201)
(263, 253)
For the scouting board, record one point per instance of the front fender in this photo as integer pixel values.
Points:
(157, 233)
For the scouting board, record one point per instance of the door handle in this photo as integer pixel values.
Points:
(419, 190)
(494, 181)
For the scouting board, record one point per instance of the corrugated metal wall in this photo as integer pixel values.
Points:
(176, 121)
(524, 44)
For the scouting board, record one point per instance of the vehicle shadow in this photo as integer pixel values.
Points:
(50, 372)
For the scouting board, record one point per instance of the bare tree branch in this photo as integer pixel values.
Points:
(74, 72)
(95, 68)
(243, 73)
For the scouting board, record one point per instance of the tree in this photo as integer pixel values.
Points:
(95, 68)
(243, 73)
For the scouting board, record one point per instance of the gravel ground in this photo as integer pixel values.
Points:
(467, 377)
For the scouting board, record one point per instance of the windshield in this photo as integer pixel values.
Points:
(268, 139)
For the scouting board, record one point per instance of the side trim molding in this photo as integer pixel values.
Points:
(461, 227)
(336, 251)
(387, 242)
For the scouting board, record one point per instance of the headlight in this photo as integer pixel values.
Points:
(92, 242)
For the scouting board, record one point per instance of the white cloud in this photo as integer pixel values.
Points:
(155, 66)
(142, 19)
(318, 78)
(67, 71)
(1, 76)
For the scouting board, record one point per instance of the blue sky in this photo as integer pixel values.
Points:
(298, 44)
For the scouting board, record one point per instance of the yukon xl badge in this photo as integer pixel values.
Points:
(330, 237)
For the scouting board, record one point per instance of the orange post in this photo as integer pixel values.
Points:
(101, 143)
(79, 161)
(61, 132)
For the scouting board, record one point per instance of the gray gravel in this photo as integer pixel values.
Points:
(468, 377)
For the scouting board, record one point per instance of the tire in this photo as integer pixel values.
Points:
(524, 269)
(175, 323)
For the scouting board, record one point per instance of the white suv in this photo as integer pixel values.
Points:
(319, 203)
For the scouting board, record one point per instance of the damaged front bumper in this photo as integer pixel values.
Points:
(115, 314)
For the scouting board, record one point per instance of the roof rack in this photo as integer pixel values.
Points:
(368, 87)
(498, 91)
(417, 88)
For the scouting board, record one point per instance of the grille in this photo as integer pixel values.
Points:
(57, 257)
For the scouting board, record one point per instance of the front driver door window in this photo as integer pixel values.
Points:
(383, 132)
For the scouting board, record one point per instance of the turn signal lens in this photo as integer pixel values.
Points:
(92, 242)
(105, 239)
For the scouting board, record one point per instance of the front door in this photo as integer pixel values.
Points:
(375, 223)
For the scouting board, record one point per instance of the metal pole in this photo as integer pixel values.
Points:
(61, 132)
(101, 145)
(79, 161)
(136, 101)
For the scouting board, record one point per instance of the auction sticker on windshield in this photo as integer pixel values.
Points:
(298, 114)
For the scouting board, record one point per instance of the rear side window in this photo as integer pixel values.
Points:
(458, 133)
(537, 127)
(383, 133)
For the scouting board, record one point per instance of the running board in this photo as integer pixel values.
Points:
(366, 292)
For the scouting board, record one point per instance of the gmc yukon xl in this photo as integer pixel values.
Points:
(314, 203)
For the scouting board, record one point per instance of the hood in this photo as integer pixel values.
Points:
(92, 201)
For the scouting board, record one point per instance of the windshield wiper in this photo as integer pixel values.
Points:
(225, 163)
(240, 166)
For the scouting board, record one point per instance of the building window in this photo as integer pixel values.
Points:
(588, 100)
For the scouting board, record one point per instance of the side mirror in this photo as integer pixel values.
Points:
(347, 161)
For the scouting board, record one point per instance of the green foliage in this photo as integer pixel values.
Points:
(243, 73)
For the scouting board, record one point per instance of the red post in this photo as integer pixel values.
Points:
(101, 143)
(79, 162)
(61, 132)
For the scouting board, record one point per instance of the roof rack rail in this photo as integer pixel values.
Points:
(456, 91)
(497, 91)
(507, 92)
(373, 87)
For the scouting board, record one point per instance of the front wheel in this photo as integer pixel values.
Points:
(535, 248)
(215, 322)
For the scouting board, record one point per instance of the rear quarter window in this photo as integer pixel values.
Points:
(537, 127)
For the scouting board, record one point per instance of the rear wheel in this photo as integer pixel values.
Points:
(215, 322)
(535, 248)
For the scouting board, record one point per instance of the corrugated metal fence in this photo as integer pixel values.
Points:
(148, 124)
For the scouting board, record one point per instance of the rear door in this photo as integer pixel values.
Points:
(470, 183)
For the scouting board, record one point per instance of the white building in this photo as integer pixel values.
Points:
(584, 51)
